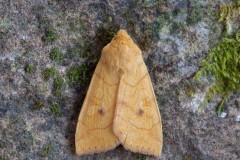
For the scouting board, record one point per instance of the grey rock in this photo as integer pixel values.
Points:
(174, 37)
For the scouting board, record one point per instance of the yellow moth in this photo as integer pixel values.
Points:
(120, 106)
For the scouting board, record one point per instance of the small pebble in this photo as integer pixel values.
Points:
(238, 118)
(223, 114)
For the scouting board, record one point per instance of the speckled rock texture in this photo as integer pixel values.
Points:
(41, 90)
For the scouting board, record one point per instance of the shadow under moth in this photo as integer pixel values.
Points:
(120, 106)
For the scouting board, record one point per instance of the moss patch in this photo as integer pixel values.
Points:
(37, 105)
(55, 109)
(77, 75)
(58, 83)
(50, 72)
(189, 88)
(228, 13)
(55, 55)
(45, 151)
(50, 35)
(223, 63)
(30, 68)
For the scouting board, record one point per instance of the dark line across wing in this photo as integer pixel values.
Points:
(143, 77)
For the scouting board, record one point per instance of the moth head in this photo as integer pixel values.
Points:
(122, 36)
(121, 53)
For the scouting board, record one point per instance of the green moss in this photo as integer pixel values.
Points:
(50, 72)
(55, 55)
(50, 35)
(57, 93)
(45, 151)
(77, 75)
(223, 63)
(189, 89)
(29, 68)
(58, 83)
(37, 105)
(229, 12)
(195, 14)
(1, 158)
(55, 109)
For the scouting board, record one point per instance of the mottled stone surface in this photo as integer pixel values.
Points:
(174, 37)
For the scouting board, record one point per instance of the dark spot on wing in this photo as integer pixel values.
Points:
(101, 112)
(140, 112)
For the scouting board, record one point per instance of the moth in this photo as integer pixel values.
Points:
(120, 106)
